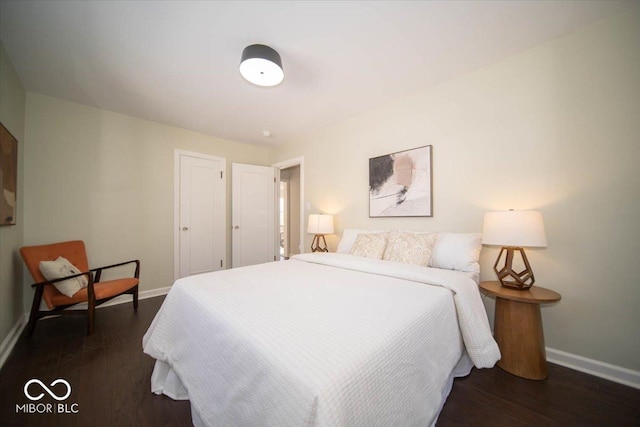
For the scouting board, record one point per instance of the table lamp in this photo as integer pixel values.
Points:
(514, 230)
(320, 224)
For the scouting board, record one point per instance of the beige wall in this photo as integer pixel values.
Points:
(108, 179)
(12, 112)
(555, 128)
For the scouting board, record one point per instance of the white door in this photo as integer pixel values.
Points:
(201, 219)
(253, 212)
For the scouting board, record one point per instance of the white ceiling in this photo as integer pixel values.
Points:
(177, 62)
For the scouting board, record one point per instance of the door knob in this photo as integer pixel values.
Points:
(185, 228)
(236, 227)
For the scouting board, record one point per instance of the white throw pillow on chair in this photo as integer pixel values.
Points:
(60, 268)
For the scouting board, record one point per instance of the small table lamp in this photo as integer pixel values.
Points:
(514, 230)
(320, 224)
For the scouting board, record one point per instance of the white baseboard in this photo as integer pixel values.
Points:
(154, 292)
(12, 337)
(123, 299)
(10, 341)
(594, 367)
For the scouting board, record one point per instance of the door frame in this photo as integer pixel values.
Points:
(177, 154)
(296, 161)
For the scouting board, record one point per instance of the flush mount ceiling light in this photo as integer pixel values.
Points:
(261, 65)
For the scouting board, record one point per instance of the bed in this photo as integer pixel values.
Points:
(322, 339)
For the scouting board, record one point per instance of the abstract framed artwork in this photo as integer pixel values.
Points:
(400, 184)
(8, 176)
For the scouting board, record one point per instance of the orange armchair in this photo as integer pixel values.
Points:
(94, 294)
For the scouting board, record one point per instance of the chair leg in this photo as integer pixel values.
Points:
(32, 324)
(135, 298)
(35, 308)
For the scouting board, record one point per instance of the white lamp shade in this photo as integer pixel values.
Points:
(514, 228)
(261, 65)
(320, 224)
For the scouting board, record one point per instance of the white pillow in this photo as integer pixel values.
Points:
(59, 268)
(349, 236)
(457, 251)
(410, 248)
(369, 245)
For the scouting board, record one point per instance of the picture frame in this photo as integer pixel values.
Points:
(8, 176)
(400, 184)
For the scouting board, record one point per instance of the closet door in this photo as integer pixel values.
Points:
(201, 224)
(253, 213)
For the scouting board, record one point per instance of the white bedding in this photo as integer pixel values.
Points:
(321, 339)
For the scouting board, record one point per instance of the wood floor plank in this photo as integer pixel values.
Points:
(110, 379)
(567, 397)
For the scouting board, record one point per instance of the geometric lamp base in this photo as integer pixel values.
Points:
(509, 278)
(317, 246)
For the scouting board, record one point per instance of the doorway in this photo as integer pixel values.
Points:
(283, 220)
(290, 212)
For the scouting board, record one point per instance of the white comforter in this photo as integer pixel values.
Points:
(322, 339)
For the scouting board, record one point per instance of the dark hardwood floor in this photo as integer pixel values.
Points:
(110, 380)
(108, 372)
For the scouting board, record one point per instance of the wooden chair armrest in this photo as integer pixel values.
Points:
(51, 282)
(98, 270)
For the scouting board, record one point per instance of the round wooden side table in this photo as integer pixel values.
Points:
(518, 328)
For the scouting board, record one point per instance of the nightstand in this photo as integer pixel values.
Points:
(518, 328)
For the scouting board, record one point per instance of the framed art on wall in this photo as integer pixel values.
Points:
(8, 176)
(400, 184)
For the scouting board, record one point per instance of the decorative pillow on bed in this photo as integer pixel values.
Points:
(457, 251)
(451, 251)
(59, 268)
(349, 236)
(410, 248)
(369, 245)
